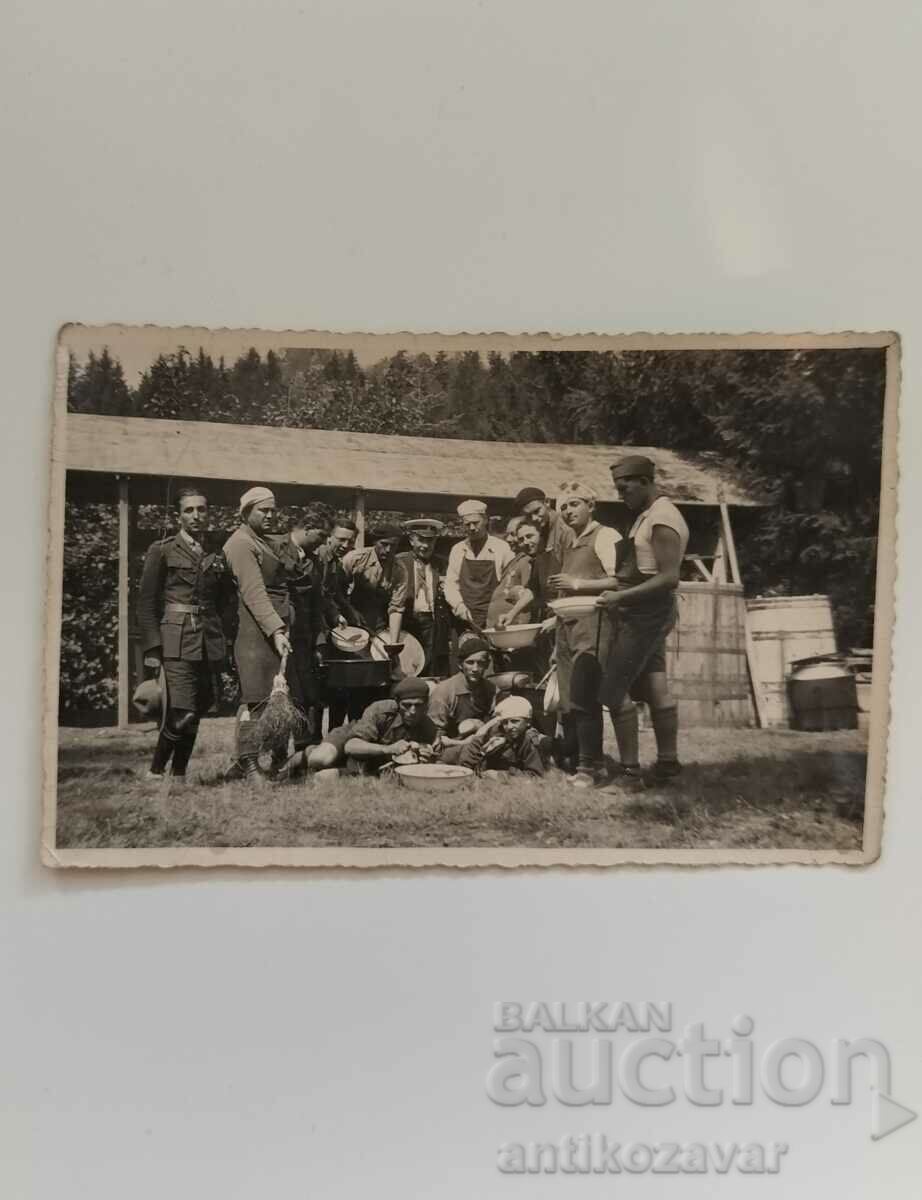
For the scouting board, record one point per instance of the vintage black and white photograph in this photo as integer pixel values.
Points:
(320, 599)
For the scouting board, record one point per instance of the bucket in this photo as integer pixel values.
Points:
(824, 696)
(784, 629)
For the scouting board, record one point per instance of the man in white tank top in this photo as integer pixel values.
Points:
(647, 578)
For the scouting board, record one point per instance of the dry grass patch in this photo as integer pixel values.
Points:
(741, 788)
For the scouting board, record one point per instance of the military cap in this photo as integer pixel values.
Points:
(148, 699)
(634, 464)
(425, 527)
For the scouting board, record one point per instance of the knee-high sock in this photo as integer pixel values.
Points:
(627, 735)
(589, 736)
(163, 751)
(666, 730)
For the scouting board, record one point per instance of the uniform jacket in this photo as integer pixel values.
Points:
(175, 573)
(407, 572)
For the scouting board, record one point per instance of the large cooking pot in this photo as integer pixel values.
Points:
(356, 672)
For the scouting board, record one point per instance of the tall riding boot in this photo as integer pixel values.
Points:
(163, 751)
(184, 749)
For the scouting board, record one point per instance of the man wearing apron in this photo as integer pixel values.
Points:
(643, 605)
(264, 618)
(475, 567)
(582, 642)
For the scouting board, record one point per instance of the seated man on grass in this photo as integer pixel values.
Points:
(507, 745)
(386, 729)
(461, 703)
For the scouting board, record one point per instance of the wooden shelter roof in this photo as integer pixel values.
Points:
(398, 473)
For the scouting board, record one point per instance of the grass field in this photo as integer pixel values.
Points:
(741, 788)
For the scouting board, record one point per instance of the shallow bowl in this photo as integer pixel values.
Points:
(573, 606)
(433, 777)
(513, 637)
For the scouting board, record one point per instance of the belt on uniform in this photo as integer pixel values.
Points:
(194, 610)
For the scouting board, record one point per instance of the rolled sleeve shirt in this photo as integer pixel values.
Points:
(453, 701)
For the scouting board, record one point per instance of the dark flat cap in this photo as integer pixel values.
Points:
(410, 689)
(634, 464)
(526, 495)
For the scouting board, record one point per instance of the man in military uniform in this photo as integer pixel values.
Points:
(178, 612)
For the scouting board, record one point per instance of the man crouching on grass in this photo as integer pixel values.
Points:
(386, 730)
(507, 745)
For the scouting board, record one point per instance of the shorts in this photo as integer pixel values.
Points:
(338, 738)
(637, 650)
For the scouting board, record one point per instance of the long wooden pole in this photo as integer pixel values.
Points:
(124, 663)
(758, 698)
(735, 576)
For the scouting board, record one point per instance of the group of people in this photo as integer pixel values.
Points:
(294, 590)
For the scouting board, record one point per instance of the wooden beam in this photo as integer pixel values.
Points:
(702, 569)
(124, 617)
(727, 528)
(359, 517)
(757, 698)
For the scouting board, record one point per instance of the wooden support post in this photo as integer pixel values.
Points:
(727, 528)
(124, 658)
(758, 699)
(359, 517)
(719, 566)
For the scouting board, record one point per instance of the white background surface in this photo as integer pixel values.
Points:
(455, 166)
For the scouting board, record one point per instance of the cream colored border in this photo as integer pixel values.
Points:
(147, 341)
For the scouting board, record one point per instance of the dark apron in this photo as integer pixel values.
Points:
(641, 628)
(501, 601)
(582, 642)
(476, 583)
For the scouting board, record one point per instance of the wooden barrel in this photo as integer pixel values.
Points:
(785, 629)
(706, 656)
(824, 696)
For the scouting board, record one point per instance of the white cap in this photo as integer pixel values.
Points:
(472, 508)
(514, 706)
(254, 496)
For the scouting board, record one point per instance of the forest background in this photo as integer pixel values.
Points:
(803, 428)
